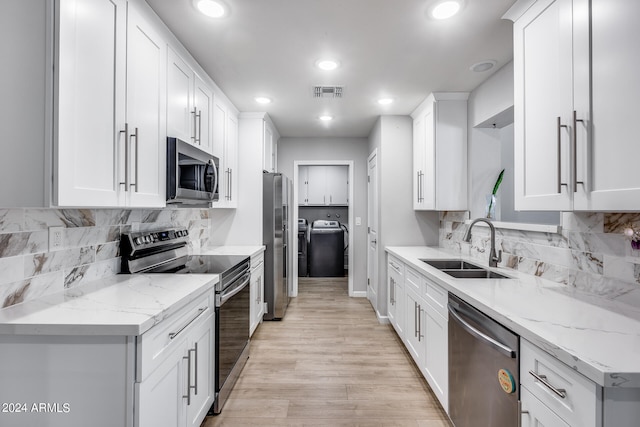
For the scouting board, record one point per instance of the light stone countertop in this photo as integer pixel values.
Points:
(119, 305)
(596, 336)
(231, 250)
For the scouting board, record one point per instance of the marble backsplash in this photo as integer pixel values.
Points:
(90, 250)
(589, 254)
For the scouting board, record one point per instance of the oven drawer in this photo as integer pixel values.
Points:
(158, 342)
(567, 393)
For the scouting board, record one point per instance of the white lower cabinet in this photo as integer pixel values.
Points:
(395, 294)
(178, 388)
(417, 309)
(536, 414)
(256, 291)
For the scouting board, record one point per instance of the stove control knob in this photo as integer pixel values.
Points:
(185, 233)
(138, 240)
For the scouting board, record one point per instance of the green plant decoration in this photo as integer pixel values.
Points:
(495, 188)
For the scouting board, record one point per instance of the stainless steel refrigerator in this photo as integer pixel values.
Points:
(275, 232)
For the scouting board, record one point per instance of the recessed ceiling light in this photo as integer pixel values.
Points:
(262, 100)
(326, 118)
(385, 101)
(483, 66)
(211, 8)
(445, 9)
(327, 64)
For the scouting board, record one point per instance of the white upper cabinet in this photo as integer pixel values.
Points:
(225, 146)
(190, 106)
(324, 185)
(203, 113)
(575, 143)
(440, 152)
(269, 150)
(146, 58)
(109, 145)
(91, 102)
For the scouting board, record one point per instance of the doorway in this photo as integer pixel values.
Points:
(333, 212)
(372, 235)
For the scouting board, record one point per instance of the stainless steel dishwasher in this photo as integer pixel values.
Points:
(483, 369)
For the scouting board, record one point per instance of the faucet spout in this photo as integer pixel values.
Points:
(494, 258)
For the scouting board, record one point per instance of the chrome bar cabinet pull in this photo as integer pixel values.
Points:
(560, 392)
(576, 120)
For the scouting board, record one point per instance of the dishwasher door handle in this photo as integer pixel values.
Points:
(497, 345)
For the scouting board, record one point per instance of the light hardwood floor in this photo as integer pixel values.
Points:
(329, 363)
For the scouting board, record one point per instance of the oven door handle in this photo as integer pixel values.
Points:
(481, 336)
(228, 295)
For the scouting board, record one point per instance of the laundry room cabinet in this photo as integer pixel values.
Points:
(440, 152)
(323, 185)
(110, 94)
(576, 88)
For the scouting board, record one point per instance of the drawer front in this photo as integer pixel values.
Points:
(396, 265)
(437, 298)
(157, 343)
(579, 406)
(256, 260)
(415, 281)
(535, 414)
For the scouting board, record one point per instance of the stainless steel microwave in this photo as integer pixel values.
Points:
(192, 174)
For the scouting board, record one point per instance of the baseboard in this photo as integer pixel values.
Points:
(359, 294)
(383, 320)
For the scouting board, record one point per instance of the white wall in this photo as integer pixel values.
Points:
(399, 224)
(336, 149)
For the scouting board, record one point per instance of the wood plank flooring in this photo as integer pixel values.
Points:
(329, 363)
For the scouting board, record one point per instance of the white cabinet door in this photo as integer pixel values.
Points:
(203, 110)
(180, 117)
(303, 185)
(257, 297)
(269, 163)
(436, 365)
(543, 106)
(231, 160)
(159, 397)
(201, 377)
(607, 158)
(337, 182)
(440, 152)
(396, 299)
(146, 65)
(316, 178)
(536, 414)
(418, 162)
(91, 99)
(415, 326)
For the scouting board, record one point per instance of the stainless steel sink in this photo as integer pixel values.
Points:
(451, 264)
(462, 269)
(475, 274)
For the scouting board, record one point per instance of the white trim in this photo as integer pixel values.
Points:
(383, 320)
(359, 294)
(542, 228)
(296, 173)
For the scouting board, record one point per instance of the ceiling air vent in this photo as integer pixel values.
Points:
(328, 91)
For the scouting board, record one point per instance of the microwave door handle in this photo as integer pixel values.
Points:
(215, 178)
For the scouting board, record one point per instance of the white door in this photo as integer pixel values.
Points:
(543, 72)
(180, 117)
(317, 185)
(146, 65)
(607, 162)
(91, 98)
(372, 220)
(203, 98)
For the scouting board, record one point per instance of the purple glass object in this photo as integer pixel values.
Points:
(635, 245)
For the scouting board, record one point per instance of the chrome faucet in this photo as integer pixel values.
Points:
(493, 258)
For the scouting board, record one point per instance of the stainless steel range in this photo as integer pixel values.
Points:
(166, 251)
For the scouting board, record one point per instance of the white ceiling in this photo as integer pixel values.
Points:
(387, 48)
